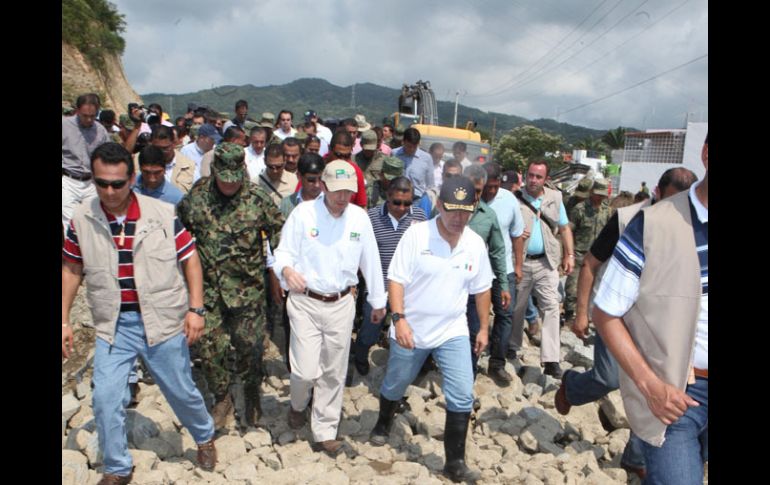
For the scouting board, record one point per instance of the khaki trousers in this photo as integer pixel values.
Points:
(318, 352)
(539, 278)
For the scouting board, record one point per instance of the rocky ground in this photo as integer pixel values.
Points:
(517, 437)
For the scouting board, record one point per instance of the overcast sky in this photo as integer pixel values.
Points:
(531, 58)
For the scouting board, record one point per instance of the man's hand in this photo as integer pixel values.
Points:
(525, 234)
(666, 402)
(505, 297)
(518, 274)
(404, 334)
(67, 343)
(194, 325)
(482, 339)
(580, 325)
(568, 264)
(295, 280)
(378, 315)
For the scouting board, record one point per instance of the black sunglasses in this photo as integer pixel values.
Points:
(399, 203)
(115, 184)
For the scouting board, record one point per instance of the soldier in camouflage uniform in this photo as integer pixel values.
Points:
(580, 194)
(233, 221)
(586, 219)
(377, 191)
(370, 158)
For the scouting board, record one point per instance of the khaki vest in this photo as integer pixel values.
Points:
(549, 207)
(157, 275)
(664, 319)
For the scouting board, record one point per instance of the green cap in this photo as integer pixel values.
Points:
(249, 125)
(228, 162)
(268, 120)
(301, 136)
(601, 188)
(126, 122)
(583, 187)
(369, 140)
(392, 167)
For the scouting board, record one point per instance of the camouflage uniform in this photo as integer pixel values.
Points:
(586, 222)
(371, 169)
(580, 194)
(390, 168)
(231, 237)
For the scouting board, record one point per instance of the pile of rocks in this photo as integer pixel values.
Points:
(517, 435)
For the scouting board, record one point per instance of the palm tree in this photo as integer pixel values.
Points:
(615, 139)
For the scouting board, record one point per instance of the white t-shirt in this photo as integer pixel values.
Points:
(255, 164)
(437, 281)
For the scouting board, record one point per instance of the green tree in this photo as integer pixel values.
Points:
(93, 27)
(523, 144)
(615, 139)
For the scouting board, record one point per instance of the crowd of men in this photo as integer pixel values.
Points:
(200, 238)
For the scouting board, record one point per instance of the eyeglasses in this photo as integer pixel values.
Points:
(399, 203)
(115, 184)
(274, 167)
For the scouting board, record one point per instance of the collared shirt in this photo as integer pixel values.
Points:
(282, 135)
(389, 231)
(508, 211)
(170, 170)
(328, 251)
(418, 168)
(536, 244)
(285, 186)
(78, 143)
(437, 281)
(194, 153)
(619, 287)
(484, 223)
(167, 192)
(437, 171)
(255, 163)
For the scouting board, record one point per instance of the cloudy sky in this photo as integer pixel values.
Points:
(596, 63)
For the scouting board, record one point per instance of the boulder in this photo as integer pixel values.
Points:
(69, 406)
(612, 406)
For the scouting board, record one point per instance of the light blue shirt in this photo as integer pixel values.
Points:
(508, 211)
(418, 168)
(194, 153)
(536, 245)
(167, 192)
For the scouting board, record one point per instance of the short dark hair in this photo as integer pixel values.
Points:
(155, 106)
(400, 184)
(461, 145)
(107, 116)
(291, 115)
(232, 132)
(452, 164)
(540, 162)
(290, 141)
(112, 153)
(640, 196)
(341, 137)
(241, 103)
(433, 146)
(258, 129)
(162, 132)
(308, 124)
(274, 150)
(311, 139)
(349, 122)
(88, 98)
(310, 163)
(494, 170)
(412, 135)
(680, 177)
(151, 155)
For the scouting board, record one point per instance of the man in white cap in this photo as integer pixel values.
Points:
(323, 245)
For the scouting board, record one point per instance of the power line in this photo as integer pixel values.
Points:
(635, 85)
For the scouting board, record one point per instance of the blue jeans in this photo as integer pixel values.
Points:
(169, 363)
(367, 334)
(531, 315)
(680, 460)
(453, 358)
(501, 329)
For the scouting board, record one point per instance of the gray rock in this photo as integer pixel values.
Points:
(69, 406)
(531, 375)
(533, 391)
(83, 389)
(548, 383)
(349, 427)
(161, 447)
(531, 414)
(582, 356)
(570, 340)
(139, 427)
(287, 437)
(612, 405)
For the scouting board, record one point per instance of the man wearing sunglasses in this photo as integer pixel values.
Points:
(143, 280)
(390, 220)
(276, 181)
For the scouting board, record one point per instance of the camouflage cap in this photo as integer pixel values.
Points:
(126, 122)
(268, 120)
(228, 164)
(601, 187)
(194, 129)
(301, 136)
(249, 125)
(392, 167)
(369, 140)
(583, 187)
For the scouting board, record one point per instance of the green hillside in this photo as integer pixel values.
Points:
(331, 101)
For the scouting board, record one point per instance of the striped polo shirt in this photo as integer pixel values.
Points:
(129, 299)
(387, 236)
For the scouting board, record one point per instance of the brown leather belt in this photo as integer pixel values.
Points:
(71, 175)
(704, 373)
(327, 298)
(535, 256)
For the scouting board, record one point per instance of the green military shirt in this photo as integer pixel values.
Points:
(484, 223)
(371, 168)
(375, 194)
(587, 222)
(231, 236)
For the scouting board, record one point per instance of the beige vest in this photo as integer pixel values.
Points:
(549, 207)
(157, 275)
(664, 319)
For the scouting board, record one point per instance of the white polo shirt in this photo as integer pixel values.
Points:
(328, 251)
(437, 281)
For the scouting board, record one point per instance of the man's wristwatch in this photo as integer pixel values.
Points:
(395, 317)
(198, 311)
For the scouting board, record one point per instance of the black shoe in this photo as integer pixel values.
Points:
(362, 367)
(455, 432)
(381, 430)
(552, 369)
(500, 376)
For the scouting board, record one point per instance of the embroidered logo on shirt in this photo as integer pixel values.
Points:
(341, 174)
(355, 236)
(314, 232)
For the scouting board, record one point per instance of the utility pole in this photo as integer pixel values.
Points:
(457, 97)
(353, 97)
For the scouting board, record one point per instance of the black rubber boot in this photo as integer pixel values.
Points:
(381, 430)
(455, 431)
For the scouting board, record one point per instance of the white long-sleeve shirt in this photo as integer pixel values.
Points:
(328, 251)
